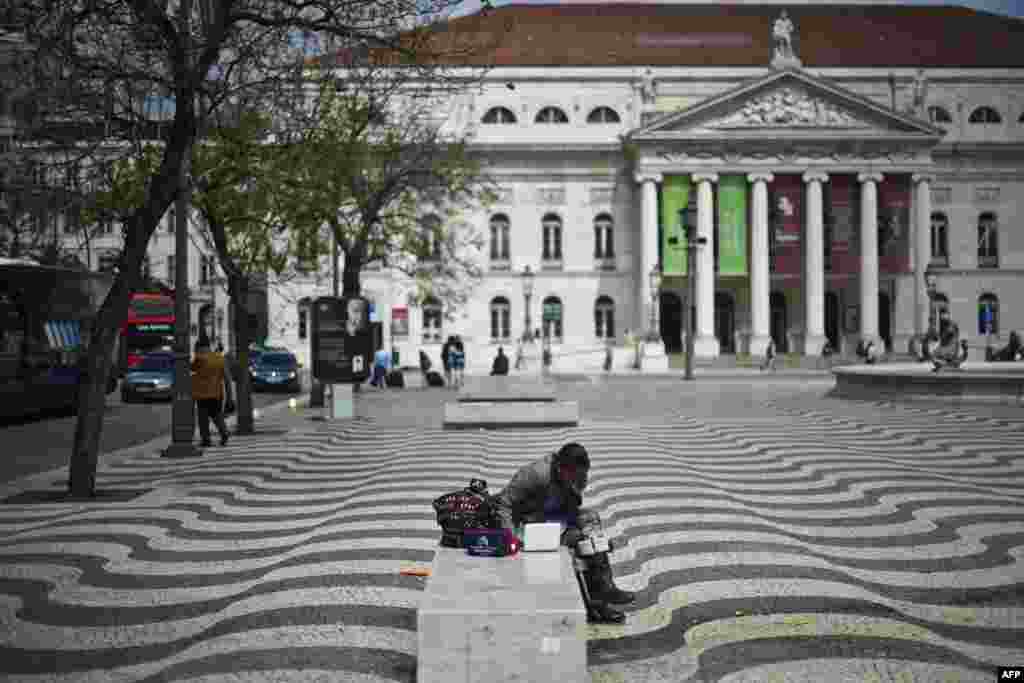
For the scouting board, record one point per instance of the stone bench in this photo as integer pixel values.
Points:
(499, 620)
(505, 389)
(497, 414)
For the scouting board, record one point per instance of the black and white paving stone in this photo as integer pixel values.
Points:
(797, 538)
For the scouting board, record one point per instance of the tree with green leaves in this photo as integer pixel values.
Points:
(383, 169)
(125, 71)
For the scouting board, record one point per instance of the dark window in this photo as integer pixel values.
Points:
(988, 240)
(603, 115)
(551, 115)
(499, 115)
(552, 246)
(985, 115)
(988, 313)
(940, 229)
(939, 115)
(500, 318)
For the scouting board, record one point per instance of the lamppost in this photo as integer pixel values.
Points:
(688, 218)
(527, 276)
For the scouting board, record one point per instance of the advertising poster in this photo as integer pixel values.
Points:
(786, 221)
(894, 224)
(841, 199)
(675, 193)
(399, 322)
(732, 225)
(342, 339)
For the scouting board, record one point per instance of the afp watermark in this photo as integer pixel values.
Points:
(1011, 673)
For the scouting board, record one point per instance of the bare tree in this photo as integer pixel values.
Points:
(124, 72)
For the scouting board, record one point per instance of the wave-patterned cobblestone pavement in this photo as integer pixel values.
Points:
(822, 542)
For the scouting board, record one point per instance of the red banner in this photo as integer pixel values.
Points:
(841, 197)
(894, 224)
(786, 218)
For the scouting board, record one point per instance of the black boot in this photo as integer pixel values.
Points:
(602, 584)
(599, 613)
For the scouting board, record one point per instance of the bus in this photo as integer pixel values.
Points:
(46, 320)
(148, 327)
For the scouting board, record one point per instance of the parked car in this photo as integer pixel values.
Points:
(152, 378)
(277, 369)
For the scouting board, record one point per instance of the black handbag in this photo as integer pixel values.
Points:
(229, 407)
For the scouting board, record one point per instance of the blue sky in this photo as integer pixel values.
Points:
(1013, 8)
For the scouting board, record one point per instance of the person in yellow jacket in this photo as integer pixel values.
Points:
(211, 382)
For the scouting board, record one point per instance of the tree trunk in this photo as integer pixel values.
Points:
(92, 390)
(239, 290)
(351, 285)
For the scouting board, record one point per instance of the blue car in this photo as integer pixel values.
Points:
(152, 378)
(275, 370)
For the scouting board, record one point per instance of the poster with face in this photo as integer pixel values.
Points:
(342, 339)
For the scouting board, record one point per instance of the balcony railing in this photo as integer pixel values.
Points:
(551, 264)
(988, 261)
(606, 263)
(501, 264)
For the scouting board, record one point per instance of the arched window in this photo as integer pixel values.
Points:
(985, 115)
(552, 317)
(988, 314)
(604, 318)
(499, 115)
(988, 240)
(603, 115)
(499, 237)
(432, 321)
(604, 245)
(938, 114)
(304, 304)
(551, 115)
(940, 230)
(501, 313)
(430, 231)
(552, 228)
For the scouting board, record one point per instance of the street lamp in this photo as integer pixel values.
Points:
(527, 276)
(653, 334)
(688, 218)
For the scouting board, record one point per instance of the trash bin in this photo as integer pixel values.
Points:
(395, 359)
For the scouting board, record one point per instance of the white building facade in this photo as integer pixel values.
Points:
(828, 174)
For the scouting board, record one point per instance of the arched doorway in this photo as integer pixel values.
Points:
(779, 325)
(832, 319)
(725, 322)
(885, 320)
(671, 322)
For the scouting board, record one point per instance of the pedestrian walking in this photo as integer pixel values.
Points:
(769, 356)
(446, 360)
(520, 356)
(424, 365)
(381, 365)
(211, 383)
(458, 362)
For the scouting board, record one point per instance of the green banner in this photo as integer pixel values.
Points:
(732, 225)
(675, 192)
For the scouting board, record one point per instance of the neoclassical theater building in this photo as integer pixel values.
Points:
(834, 154)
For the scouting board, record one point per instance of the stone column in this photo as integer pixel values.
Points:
(760, 277)
(869, 257)
(814, 266)
(705, 343)
(648, 247)
(922, 248)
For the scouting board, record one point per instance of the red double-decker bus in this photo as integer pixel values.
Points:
(148, 327)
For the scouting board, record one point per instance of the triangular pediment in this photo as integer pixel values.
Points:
(787, 103)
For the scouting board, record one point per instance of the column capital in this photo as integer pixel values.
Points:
(871, 177)
(702, 177)
(760, 176)
(922, 178)
(642, 177)
(815, 177)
